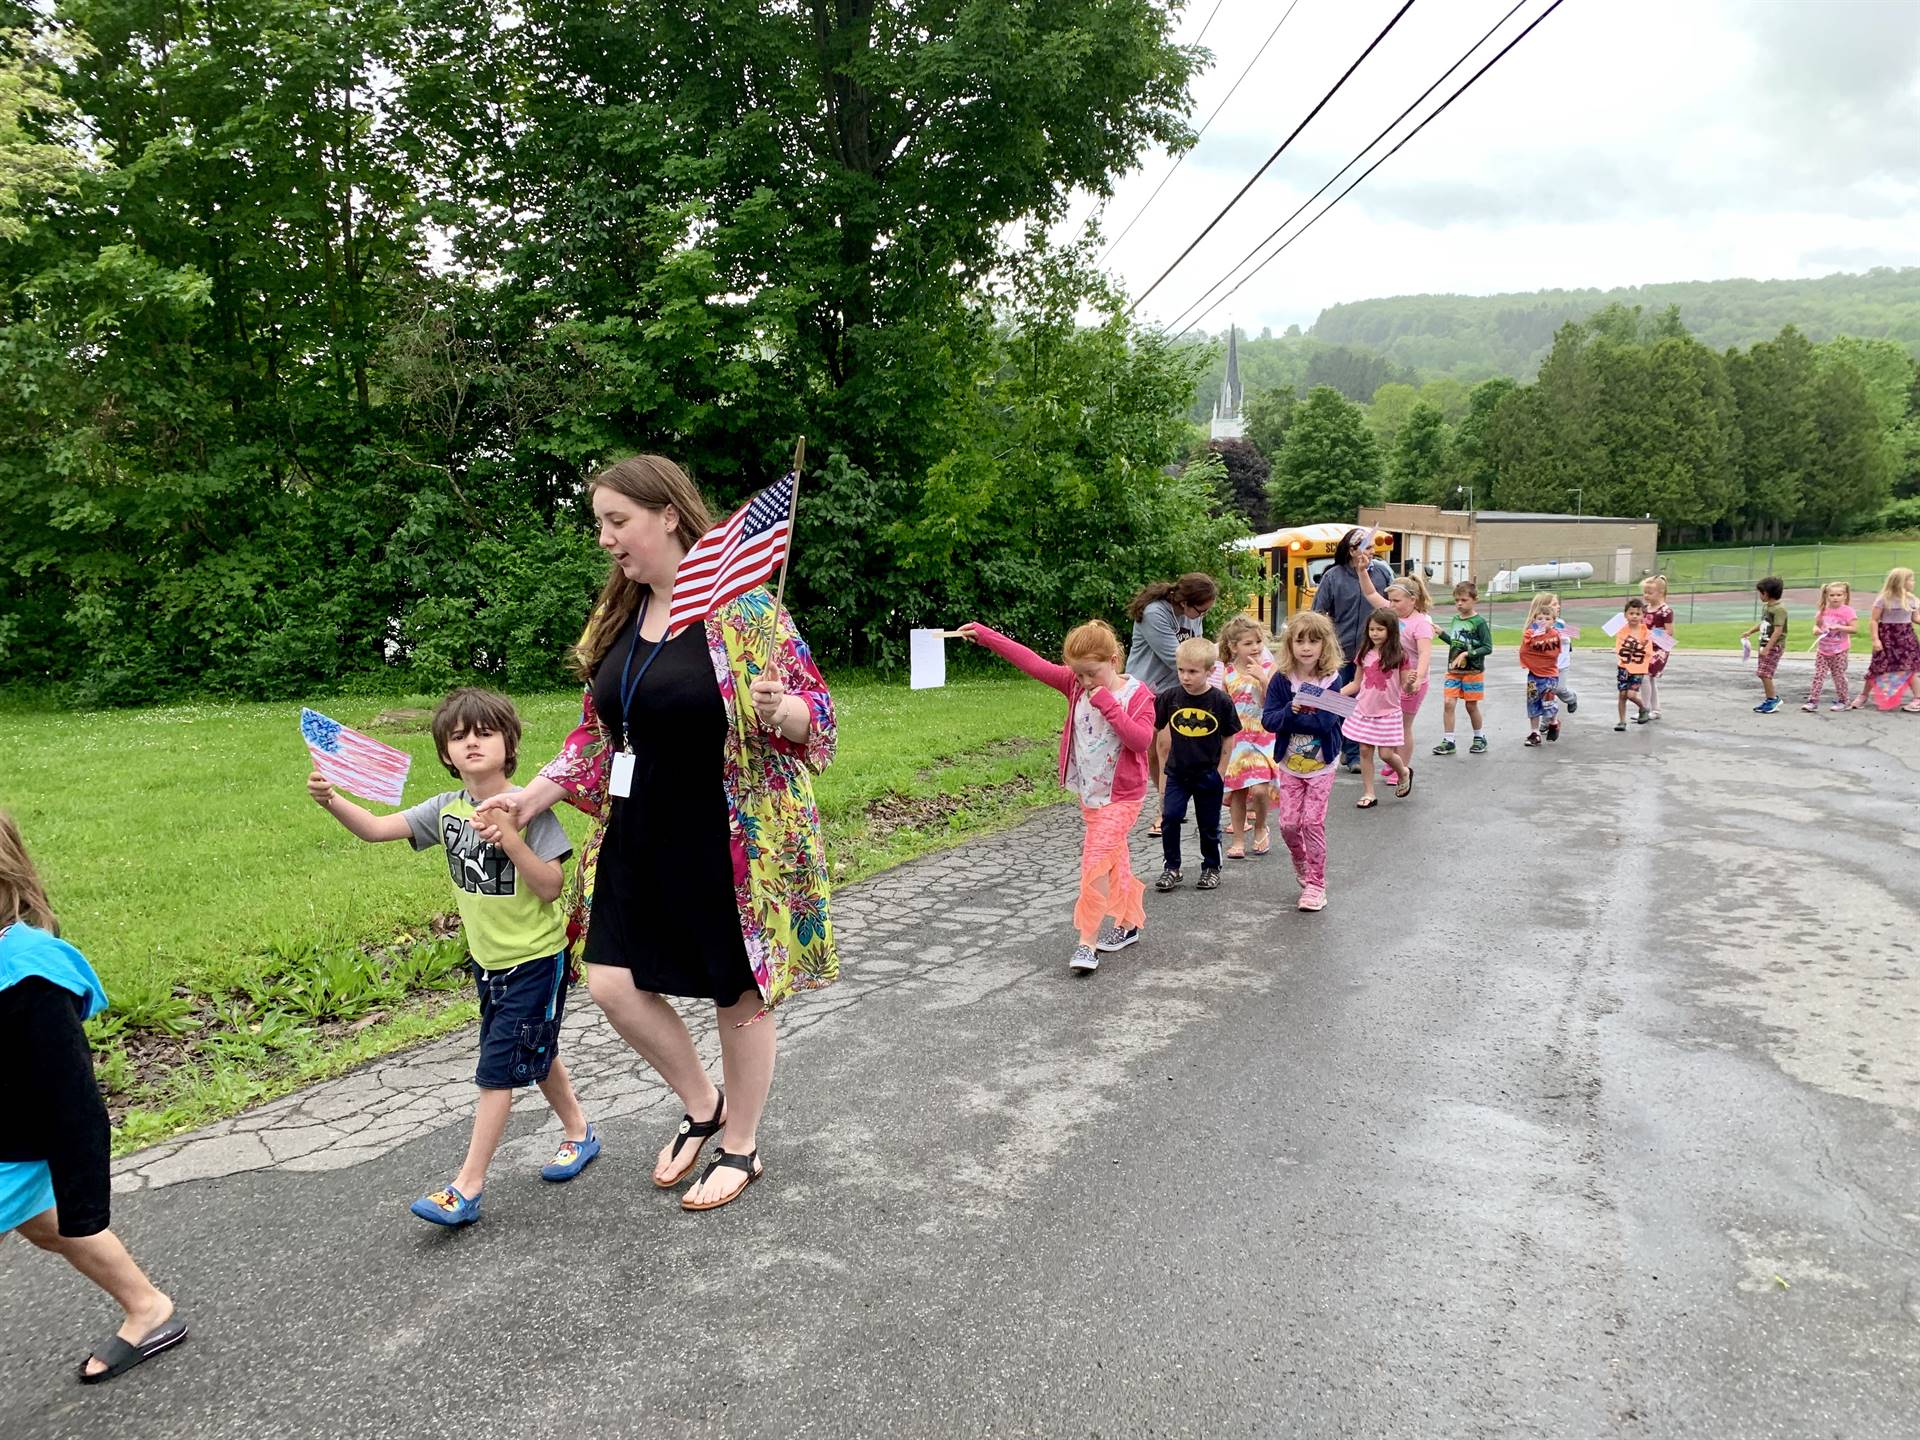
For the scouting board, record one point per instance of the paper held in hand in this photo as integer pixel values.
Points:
(357, 763)
(927, 659)
(1322, 697)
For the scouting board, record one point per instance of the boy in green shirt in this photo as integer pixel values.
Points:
(1773, 639)
(1469, 642)
(507, 887)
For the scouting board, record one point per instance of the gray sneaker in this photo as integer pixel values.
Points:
(1085, 960)
(1114, 937)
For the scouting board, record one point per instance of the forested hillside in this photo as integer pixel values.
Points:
(1475, 336)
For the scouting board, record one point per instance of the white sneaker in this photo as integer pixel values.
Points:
(1115, 937)
(1086, 959)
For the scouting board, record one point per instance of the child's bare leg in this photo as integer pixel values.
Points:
(489, 1124)
(1367, 766)
(1237, 812)
(105, 1261)
(558, 1088)
(1473, 717)
(1446, 714)
(1259, 802)
(1623, 708)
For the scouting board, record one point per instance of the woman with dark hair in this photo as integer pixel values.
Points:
(705, 876)
(1164, 614)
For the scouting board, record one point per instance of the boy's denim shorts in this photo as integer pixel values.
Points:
(520, 1013)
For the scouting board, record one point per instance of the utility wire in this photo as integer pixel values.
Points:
(1359, 155)
(1372, 45)
(1209, 25)
(1180, 159)
(1099, 202)
(1384, 158)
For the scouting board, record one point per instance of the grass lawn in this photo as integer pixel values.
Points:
(1797, 564)
(184, 857)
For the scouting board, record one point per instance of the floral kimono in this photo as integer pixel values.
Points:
(779, 861)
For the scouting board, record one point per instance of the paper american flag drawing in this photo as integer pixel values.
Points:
(353, 761)
(731, 559)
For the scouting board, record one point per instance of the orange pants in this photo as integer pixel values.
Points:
(1108, 885)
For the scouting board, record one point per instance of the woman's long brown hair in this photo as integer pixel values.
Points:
(1195, 588)
(653, 482)
(22, 896)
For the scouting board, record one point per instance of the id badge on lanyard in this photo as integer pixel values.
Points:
(620, 778)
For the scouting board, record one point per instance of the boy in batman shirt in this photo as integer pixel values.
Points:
(1194, 723)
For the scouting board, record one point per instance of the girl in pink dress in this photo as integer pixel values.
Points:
(1383, 675)
(1408, 598)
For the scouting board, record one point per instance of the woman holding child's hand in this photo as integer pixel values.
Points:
(690, 745)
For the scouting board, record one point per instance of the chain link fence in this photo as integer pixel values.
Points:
(1710, 589)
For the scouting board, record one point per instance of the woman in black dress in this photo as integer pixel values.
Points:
(707, 879)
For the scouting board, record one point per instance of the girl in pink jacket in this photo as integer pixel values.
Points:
(1103, 760)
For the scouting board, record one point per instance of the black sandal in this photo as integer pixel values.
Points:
(119, 1356)
(749, 1163)
(1405, 787)
(697, 1131)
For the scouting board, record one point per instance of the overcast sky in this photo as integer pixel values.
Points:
(1622, 142)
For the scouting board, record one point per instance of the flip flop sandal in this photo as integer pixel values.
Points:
(748, 1163)
(1236, 851)
(119, 1357)
(1153, 831)
(1405, 787)
(698, 1132)
(1262, 842)
(1366, 802)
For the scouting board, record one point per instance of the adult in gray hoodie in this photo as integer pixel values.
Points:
(1163, 615)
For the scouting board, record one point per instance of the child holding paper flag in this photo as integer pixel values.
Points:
(1103, 760)
(1307, 747)
(1632, 654)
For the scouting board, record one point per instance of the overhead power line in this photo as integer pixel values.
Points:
(1384, 158)
(1099, 202)
(1372, 45)
(1180, 159)
(1359, 155)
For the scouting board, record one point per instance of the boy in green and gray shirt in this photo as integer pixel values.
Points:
(1469, 641)
(1773, 639)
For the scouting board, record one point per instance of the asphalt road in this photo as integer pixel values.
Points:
(1586, 1109)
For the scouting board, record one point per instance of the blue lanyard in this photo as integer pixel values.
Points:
(628, 691)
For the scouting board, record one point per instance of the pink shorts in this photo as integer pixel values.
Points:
(1410, 703)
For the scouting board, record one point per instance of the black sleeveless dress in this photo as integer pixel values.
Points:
(663, 904)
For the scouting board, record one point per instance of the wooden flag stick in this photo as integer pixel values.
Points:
(793, 508)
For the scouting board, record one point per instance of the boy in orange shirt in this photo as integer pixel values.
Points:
(1633, 655)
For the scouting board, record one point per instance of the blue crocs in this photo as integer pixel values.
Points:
(448, 1207)
(572, 1157)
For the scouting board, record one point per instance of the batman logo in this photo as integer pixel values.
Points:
(1194, 724)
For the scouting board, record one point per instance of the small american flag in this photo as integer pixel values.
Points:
(728, 561)
(354, 762)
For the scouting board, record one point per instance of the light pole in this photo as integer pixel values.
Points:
(1466, 490)
(1579, 494)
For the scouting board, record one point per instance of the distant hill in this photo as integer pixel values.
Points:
(1474, 336)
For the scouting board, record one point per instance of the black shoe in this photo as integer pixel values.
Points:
(1553, 731)
(1169, 880)
(1209, 878)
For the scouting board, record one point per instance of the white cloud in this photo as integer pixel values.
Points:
(1623, 142)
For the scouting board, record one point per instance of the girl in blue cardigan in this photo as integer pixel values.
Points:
(1306, 749)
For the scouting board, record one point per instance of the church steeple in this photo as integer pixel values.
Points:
(1227, 424)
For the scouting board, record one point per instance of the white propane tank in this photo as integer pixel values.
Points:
(1554, 572)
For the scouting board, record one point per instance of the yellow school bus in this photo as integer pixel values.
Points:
(1291, 564)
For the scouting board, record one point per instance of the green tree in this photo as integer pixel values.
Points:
(1330, 465)
(1773, 387)
(1388, 411)
(1268, 413)
(1420, 459)
(1851, 473)
(1470, 460)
